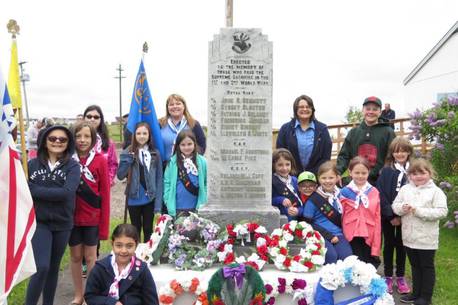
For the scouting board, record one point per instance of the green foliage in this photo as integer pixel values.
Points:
(354, 115)
(439, 125)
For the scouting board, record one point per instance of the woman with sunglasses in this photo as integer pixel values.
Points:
(53, 179)
(94, 115)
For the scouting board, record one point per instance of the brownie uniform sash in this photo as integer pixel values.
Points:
(88, 195)
(184, 177)
(84, 190)
(285, 191)
(326, 209)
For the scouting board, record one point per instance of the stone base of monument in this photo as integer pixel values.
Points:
(268, 217)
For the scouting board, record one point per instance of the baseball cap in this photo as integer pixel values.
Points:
(306, 176)
(373, 100)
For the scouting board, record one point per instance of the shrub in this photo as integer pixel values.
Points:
(439, 125)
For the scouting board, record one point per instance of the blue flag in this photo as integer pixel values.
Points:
(7, 121)
(142, 109)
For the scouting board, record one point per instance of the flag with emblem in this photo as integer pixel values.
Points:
(17, 216)
(142, 109)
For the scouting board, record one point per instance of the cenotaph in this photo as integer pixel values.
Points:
(239, 149)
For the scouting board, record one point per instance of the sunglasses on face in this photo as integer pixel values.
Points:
(90, 117)
(54, 139)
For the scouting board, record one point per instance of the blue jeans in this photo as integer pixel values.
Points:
(48, 249)
(338, 251)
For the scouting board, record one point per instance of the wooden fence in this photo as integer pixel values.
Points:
(339, 131)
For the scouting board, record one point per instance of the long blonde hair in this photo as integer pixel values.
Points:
(163, 121)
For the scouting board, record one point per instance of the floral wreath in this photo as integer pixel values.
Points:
(301, 292)
(309, 259)
(193, 244)
(236, 284)
(169, 292)
(357, 273)
(245, 232)
(151, 251)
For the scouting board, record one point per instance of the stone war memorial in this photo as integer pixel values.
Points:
(240, 129)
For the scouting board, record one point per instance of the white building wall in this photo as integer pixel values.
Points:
(438, 75)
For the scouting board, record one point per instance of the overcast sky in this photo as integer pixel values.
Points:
(338, 52)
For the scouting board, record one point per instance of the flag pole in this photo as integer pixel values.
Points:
(13, 29)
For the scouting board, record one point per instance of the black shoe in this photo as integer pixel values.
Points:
(408, 298)
(421, 301)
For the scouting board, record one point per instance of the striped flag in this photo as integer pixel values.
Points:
(17, 216)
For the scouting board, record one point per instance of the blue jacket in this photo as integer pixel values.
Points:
(278, 195)
(153, 178)
(138, 289)
(322, 145)
(170, 183)
(386, 185)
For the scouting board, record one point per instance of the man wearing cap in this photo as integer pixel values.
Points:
(369, 140)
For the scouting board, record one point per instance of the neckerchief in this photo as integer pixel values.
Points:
(174, 128)
(85, 167)
(98, 144)
(144, 156)
(403, 171)
(332, 198)
(119, 275)
(288, 181)
(51, 166)
(361, 195)
(189, 165)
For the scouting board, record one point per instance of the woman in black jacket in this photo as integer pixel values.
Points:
(53, 179)
(305, 137)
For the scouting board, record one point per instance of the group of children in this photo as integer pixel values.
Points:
(70, 184)
(405, 204)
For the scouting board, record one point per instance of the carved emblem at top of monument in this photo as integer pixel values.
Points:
(240, 42)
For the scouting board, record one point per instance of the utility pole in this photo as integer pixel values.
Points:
(229, 13)
(120, 77)
(25, 78)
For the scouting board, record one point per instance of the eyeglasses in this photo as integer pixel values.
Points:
(90, 117)
(307, 186)
(54, 139)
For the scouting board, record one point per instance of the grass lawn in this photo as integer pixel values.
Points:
(115, 132)
(445, 293)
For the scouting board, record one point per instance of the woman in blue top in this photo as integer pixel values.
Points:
(305, 137)
(177, 119)
(185, 178)
(146, 185)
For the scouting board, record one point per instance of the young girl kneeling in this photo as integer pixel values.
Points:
(324, 212)
(121, 278)
(285, 192)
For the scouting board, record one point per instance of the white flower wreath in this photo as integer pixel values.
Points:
(242, 232)
(151, 251)
(357, 273)
(310, 257)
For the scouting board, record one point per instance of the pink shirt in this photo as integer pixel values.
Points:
(361, 221)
